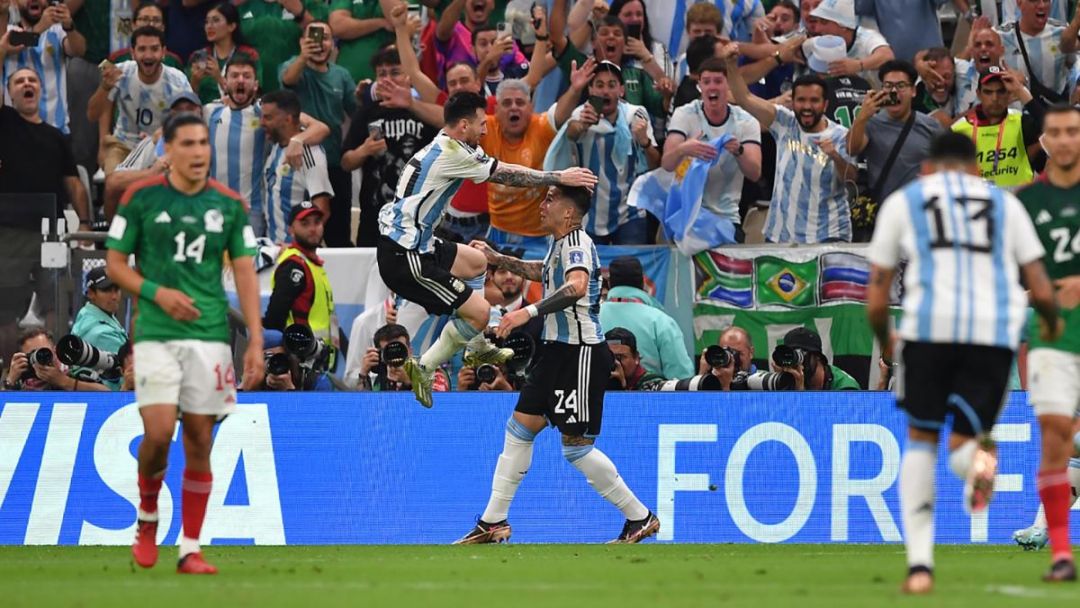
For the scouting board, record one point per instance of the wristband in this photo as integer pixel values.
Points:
(532, 310)
(148, 290)
(542, 38)
(778, 58)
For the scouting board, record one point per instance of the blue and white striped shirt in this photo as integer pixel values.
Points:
(286, 187)
(238, 146)
(964, 240)
(141, 107)
(429, 181)
(47, 59)
(1010, 11)
(580, 323)
(1044, 50)
(809, 203)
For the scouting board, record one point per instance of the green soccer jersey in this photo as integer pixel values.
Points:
(180, 241)
(1056, 215)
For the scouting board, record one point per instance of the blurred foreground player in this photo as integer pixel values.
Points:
(568, 379)
(179, 226)
(440, 276)
(967, 244)
(1053, 202)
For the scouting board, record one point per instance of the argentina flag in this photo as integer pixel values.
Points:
(677, 204)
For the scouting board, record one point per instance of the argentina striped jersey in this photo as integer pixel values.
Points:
(1010, 11)
(809, 203)
(141, 107)
(47, 59)
(964, 240)
(238, 150)
(1044, 50)
(580, 323)
(287, 187)
(429, 181)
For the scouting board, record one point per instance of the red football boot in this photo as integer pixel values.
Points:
(145, 549)
(193, 563)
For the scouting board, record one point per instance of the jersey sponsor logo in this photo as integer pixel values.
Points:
(187, 219)
(163, 218)
(118, 227)
(1043, 218)
(214, 221)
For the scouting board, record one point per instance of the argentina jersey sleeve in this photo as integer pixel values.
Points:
(316, 177)
(461, 161)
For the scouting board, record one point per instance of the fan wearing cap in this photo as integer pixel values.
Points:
(867, 50)
(613, 137)
(301, 291)
(148, 157)
(1004, 138)
(628, 374)
(138, 92)
(815, 373)
(96, 321)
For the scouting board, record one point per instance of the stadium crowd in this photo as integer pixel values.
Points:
(810, 113)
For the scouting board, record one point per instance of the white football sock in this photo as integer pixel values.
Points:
(961, 458)
(605, 479)
(188, 546)
(454, 336)
(513, 463)
(917, 502)
(1040, 518)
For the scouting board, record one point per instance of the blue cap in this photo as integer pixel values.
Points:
(271, 338)
(184, 96)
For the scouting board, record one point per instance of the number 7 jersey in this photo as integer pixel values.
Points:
(180, 241)
(1056, 214)
(964, 240)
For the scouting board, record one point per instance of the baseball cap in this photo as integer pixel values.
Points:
(626, 270)
(184, 96)
(991, 73)
(803, 338)
(608, 66)
(97, 279)
(621, 336)
(841, 12)
(304, 209)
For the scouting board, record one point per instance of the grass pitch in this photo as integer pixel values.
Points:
(588, 576)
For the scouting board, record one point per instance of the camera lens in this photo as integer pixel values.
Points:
(717, 356)
(486, 374)
(299, 340)
(394, 354)
(41, 356)
(277, 364)
(786, 356)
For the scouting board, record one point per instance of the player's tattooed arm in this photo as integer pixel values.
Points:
(576, 286)
(515, 175)
(530, 270)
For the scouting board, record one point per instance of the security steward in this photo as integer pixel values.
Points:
(300, 288)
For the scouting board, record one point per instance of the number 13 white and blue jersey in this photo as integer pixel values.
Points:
(964, 240)
(430, 179)
(580, 323)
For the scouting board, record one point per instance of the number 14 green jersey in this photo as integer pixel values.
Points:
(1056, 215)
(180, 241)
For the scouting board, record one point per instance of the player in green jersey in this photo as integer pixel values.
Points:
(1053, 202)
(180, 226)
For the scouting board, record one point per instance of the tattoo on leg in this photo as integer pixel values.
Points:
(577, 440)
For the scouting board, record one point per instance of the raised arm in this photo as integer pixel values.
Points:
(450, 16)
(557, 26)
(579, 79)
(399, 17)
(762, 110)
(510, 174)
(1068, 37)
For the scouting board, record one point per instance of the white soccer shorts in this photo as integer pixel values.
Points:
(1053, 381)
(194, 374)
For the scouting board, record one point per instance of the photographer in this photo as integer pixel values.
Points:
(96, 322)
(801, 356)
(484, 378)
(284, 369)
(736, 341)
(381, 367)
(628, 374)
(35, 367)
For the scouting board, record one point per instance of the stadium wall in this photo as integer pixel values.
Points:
(376, 468)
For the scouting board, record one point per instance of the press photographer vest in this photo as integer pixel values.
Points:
(1000, 151)
(321, 314)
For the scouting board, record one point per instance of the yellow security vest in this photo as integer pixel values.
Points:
(321, 318)
(1000, 150)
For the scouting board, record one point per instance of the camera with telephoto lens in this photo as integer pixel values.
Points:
(300, 342)
(763, 381)
(278, 364)
(717, 356)
(392, 354)
(702, 382)
(74, 351)
(786, 356)
(39, 356)
(486, 374)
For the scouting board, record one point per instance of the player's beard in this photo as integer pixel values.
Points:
(816, 119)
(243, 101)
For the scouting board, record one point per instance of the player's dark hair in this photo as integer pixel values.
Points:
(487, 27)
(952, 147)
(1061, 108)
(713, 64)
(898, 65)
(812, 80)
(623, 336)
(242, 59)
(580, 196)
(699, 50)
(147, 31)
(386, 56)
(388, 333)
(285, 100)
(463, 106)
(32, 332)
(174, 122)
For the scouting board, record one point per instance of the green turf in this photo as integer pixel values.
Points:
(526, 575)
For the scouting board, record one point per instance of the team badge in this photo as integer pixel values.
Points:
(458, 285)
(577, 257)
(213, 221)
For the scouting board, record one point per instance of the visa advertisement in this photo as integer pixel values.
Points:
(379, 469)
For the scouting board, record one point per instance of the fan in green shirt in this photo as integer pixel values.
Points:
(274, 29)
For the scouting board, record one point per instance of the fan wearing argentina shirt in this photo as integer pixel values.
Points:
(1041, 48)
(238, 143)
(809, 202)
(286, 186)
(446, 277)
(697, 123)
